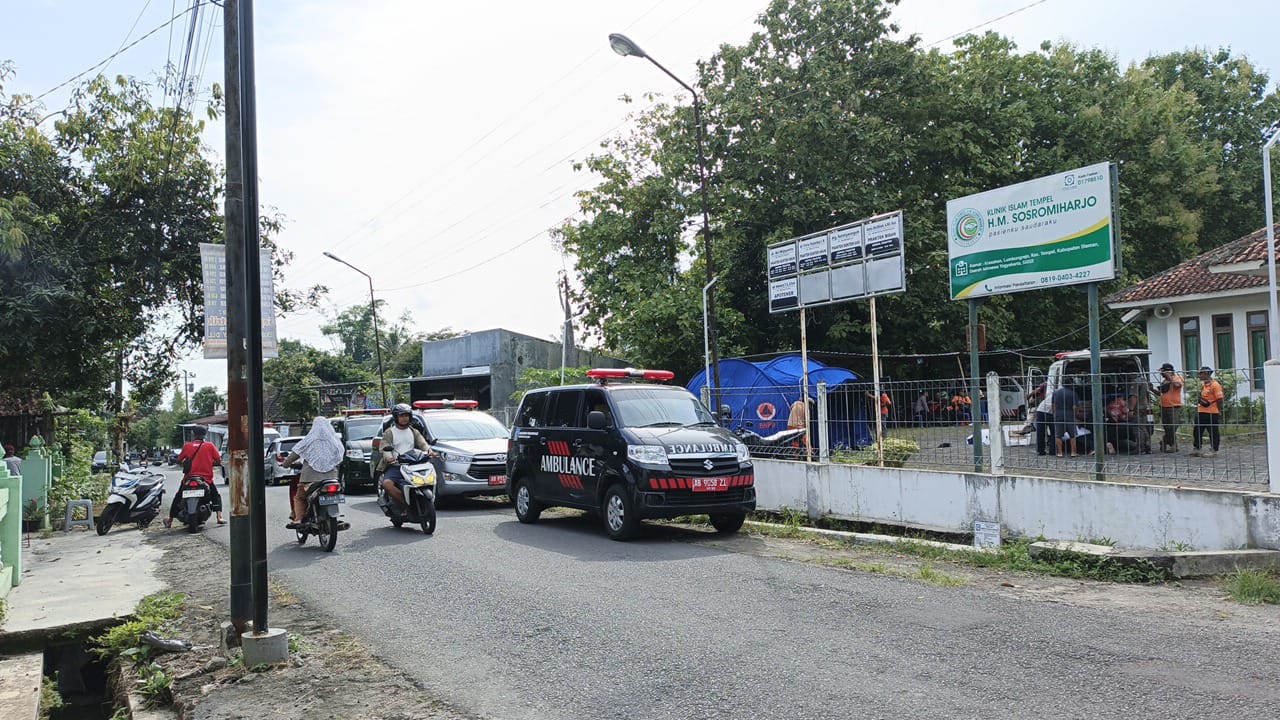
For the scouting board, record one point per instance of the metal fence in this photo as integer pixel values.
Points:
(931, 424)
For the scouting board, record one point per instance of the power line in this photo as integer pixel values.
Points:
(1028, 6)
(113, 55)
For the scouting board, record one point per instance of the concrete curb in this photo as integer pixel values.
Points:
(1199, 563)
(20, 678)
(872, 539)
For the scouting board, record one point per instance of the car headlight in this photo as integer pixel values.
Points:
(457, 458)
(744, 453)
(647, 454)
(355, 454)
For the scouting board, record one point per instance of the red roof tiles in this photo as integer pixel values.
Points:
(1194, 278)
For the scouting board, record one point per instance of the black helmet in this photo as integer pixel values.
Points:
(401, 409)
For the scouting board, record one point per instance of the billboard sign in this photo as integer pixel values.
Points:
(1052, 231)
(850, 262)
(213, 264)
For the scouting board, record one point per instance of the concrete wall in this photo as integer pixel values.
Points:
(1135, 516)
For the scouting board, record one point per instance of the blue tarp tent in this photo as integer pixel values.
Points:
(759, 395)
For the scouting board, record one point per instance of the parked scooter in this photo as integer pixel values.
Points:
(418, 475)
(195, 508)
(136, 496)
(785, 444)
(323, 514)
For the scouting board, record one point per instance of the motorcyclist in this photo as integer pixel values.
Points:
(400, 438)
(320, 453)
(203, 455)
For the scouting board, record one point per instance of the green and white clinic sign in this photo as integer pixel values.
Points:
(1056, 230)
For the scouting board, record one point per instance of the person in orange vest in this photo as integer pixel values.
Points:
(1208, 414)
(1170, 389)
(885, 404)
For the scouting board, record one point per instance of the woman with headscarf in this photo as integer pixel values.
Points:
(321, 452)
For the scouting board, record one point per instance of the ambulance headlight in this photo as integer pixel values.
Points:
(647, 454)
(744, 454)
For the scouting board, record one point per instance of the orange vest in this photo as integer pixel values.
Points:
(1212, 394)
(1172, 397)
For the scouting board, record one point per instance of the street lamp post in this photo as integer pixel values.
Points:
(373, 307)
(1269, 138)
(624, 46)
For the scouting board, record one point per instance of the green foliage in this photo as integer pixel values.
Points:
(207, 400)
(826, 115)
(31, 509)
(77, 481)
(125, 639)
(82, 426)
(531, 378)
(156, 685)
(50, 699)
(896, 453)
(300, 367)
(1254, 587)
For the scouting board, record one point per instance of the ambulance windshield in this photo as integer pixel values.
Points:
(657, 406)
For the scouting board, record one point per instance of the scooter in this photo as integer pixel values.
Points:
(782, 444)
(136, 496)
(418, 476)
(323, 514)
(195, 508)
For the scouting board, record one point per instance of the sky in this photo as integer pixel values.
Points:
(431, 144)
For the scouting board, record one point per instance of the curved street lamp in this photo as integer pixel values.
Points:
(373, 307)
(625, 46)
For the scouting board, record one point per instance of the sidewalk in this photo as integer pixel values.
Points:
(78, 582)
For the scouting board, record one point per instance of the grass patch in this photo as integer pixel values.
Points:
(153, 613)
(50, 698)
(296, 645)
(896, 453)
(936, 577)
(1254, 587)
(281, 594)
(156, 685)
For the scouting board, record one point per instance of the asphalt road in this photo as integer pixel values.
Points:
(554, 620)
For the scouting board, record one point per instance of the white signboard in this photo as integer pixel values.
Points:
(1056, 230)
(853, 261)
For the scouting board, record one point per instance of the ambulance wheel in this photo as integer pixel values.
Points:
(527, 509)
(620, 521)
(728, 523)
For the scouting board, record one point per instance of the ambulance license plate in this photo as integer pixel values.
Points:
(709, 484)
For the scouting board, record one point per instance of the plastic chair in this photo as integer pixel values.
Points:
(88, 514)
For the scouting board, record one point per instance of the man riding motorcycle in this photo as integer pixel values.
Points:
(401, 437)
(203, 456)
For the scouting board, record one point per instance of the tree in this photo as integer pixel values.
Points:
(299, 368)
(825, 116)
(207, 400)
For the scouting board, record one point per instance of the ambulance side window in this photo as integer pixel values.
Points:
(531, 410)
(597, 401)
(566, 410)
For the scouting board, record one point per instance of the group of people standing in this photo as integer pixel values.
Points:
(1059, 416)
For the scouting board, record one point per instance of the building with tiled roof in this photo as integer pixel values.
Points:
(1210, 310)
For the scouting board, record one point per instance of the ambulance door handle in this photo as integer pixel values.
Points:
(542, 441)
(577, 444)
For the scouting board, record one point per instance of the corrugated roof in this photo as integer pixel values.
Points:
(1193, 277)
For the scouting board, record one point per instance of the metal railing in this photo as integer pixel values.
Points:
(931, 424)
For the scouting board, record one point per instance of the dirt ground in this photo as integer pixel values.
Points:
(330, 674)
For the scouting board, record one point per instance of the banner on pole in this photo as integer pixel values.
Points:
(213, 264)
(1051, 231)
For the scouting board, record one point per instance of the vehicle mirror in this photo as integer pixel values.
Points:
(596, 420)
(726, 412)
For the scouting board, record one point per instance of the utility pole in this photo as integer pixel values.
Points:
(237, 373)
(264, 644)
(186, 392)
(568, 348)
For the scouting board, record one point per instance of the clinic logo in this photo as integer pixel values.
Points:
(968, 227)
(1069, 180)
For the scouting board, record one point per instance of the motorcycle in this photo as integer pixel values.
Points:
(783, 444)
(136, 496)
(418, 475)
(322, 517)
(195, 508)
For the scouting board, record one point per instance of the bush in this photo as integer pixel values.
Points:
(77, 480)
(896, 453)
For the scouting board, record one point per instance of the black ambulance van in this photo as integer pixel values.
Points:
(629, 451)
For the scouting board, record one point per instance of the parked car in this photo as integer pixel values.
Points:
(269, 436)
(357, 431)
(276, 471)
(101, 462)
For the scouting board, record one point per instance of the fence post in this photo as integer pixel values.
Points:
(10, 530)
(37, 473)
(993, 424)
(824, 450)
(1271, 380)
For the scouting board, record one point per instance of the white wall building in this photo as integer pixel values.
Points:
(1210, 310)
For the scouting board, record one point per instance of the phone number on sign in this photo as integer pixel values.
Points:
(1063, 277)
